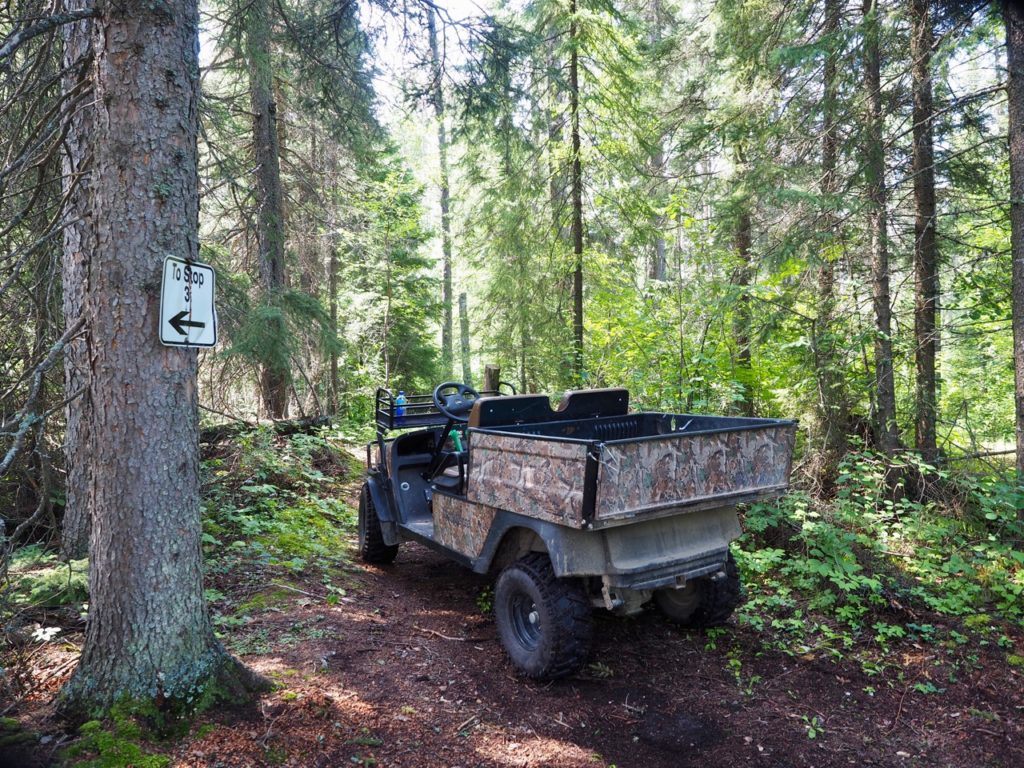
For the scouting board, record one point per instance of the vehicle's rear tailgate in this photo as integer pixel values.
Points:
(647, 474)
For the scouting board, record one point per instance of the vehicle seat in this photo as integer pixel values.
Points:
(450, 480)
(451, 474)
(594, 403)
(490, 412)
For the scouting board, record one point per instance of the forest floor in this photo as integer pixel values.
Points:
(401, 666)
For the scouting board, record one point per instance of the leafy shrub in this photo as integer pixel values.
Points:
(270, 505)
(831, 574)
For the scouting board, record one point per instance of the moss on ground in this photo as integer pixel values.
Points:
(119, 742)
(264, 601)
(131, 729)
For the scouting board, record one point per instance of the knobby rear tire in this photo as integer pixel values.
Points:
(715, 601)
(556, 642)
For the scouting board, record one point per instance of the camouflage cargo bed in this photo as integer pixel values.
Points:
(591, 473)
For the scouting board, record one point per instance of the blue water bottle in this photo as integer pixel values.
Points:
(400, 402)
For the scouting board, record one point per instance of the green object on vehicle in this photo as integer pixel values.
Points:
(456, 439)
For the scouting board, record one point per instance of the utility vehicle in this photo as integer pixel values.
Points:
(581, 506)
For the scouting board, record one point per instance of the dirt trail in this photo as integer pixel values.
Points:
(406, 671)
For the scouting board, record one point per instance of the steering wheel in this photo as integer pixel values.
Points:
(455, 400)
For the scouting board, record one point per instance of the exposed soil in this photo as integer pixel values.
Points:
(409, 672)
(406, 670)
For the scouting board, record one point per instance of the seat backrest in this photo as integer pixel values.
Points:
(509, 409)
(588, 403)
(535, 409)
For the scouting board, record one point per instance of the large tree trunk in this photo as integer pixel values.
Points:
(467, 374)
(557, 176)
(659, 261)
(492, 378)
(830, 439)
(874, 169)
(267, 191)
(148, 634)
(437, 96)
(1014, 18)
(333, 269)
(577, 197)
(74, 542)
(742, 319)
(926, 254)
(332, 287)
(657, 165)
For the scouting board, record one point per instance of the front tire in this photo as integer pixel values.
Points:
(372, 548)
(545, 623)
(703, 602)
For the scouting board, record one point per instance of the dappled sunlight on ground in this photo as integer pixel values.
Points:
(507, 750)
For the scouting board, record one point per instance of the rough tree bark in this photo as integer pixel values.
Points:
(492, 378)
(74, 541)
(334, 246)
(659, 262)
(742, 319)
(577, 195)
(832, 402)
(657, 165)
(148, 635)
(467, 374)
(437, 97)
(270, 233)
(557, 171)
(926, 252)
(332, 288)
(1013, 15)
(874, 170)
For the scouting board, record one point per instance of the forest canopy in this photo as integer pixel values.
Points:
(691, 200)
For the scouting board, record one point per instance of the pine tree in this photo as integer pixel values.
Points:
(926, 256)
(148, 634)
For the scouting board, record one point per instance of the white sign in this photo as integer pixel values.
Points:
(188, 317)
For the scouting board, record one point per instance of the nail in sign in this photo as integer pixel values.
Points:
(188, 317)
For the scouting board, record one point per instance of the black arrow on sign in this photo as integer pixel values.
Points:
(179, 323)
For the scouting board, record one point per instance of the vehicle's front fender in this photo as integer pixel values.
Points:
(376, 486)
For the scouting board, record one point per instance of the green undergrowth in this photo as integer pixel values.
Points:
(12, 733)
(274, 512)
(38, 597)
(867, 573)
(123, 740)
(38, 579)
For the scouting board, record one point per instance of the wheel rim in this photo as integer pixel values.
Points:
(526, 626)
(682, 603)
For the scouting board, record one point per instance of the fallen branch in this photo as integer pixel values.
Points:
(220, 432)
(980, 455)
(899, 710)
(237, 419)
(447, 637)
(45, 504)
